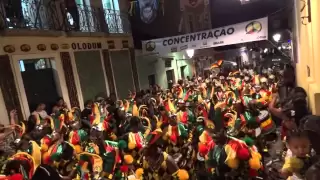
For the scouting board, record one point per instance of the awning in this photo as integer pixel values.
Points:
(250, 31)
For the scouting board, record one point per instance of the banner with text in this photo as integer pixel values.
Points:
(254, 30)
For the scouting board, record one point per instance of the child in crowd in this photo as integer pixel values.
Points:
(297, 160)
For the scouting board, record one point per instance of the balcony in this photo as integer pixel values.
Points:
(55, 16)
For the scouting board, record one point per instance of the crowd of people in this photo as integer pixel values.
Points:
(215, 127)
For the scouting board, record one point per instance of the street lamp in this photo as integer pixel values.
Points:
(190, 52)
(276, 37)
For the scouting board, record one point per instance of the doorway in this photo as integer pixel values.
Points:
(40, 83)
(152, 79)
(182, 70)
(170, 78)
(58, 75)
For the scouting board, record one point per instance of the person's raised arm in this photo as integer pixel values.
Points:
(13, 117)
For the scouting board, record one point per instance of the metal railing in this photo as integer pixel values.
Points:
(54, 15)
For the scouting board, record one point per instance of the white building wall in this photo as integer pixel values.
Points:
(152, 64)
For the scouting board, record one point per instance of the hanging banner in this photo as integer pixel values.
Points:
(148, 10)
(255, 30)
(190, 3)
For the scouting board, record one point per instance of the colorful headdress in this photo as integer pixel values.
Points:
(202, 108)
(74, 114)
(237, 150)
(58, 152)
(267, 125)
(130, 107)
(95, 117)
(143, 111)
(89, 163)
(111, 158)
(35, 151)
(174, 132)
(22, 156)
(230, 97)
(57, 121)
(154, 136)
(76, 137)
(218, 64)
(169, 106)
(98, 118)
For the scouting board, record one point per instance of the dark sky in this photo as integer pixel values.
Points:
(223, 12)
(226, 12)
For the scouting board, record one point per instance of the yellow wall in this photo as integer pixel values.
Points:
(309, 52)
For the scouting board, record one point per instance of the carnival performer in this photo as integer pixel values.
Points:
(208, 128)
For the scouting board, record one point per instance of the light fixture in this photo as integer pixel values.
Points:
(276, 37)
(190, 52)
(279, 47)
(265, 50)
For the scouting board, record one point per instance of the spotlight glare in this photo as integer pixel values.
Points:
(276, 37)
(190, 53)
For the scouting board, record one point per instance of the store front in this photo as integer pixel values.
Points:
(41, 69)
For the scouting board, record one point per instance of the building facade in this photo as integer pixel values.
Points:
(51, 49)
(169, 19)
(307, 26)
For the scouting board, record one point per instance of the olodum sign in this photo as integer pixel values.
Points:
(255, 30)
(84, 46)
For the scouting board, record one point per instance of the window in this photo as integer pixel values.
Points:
(111, 4)
(84, 19)
(113, 15)
(34, 13)
(167, 62)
